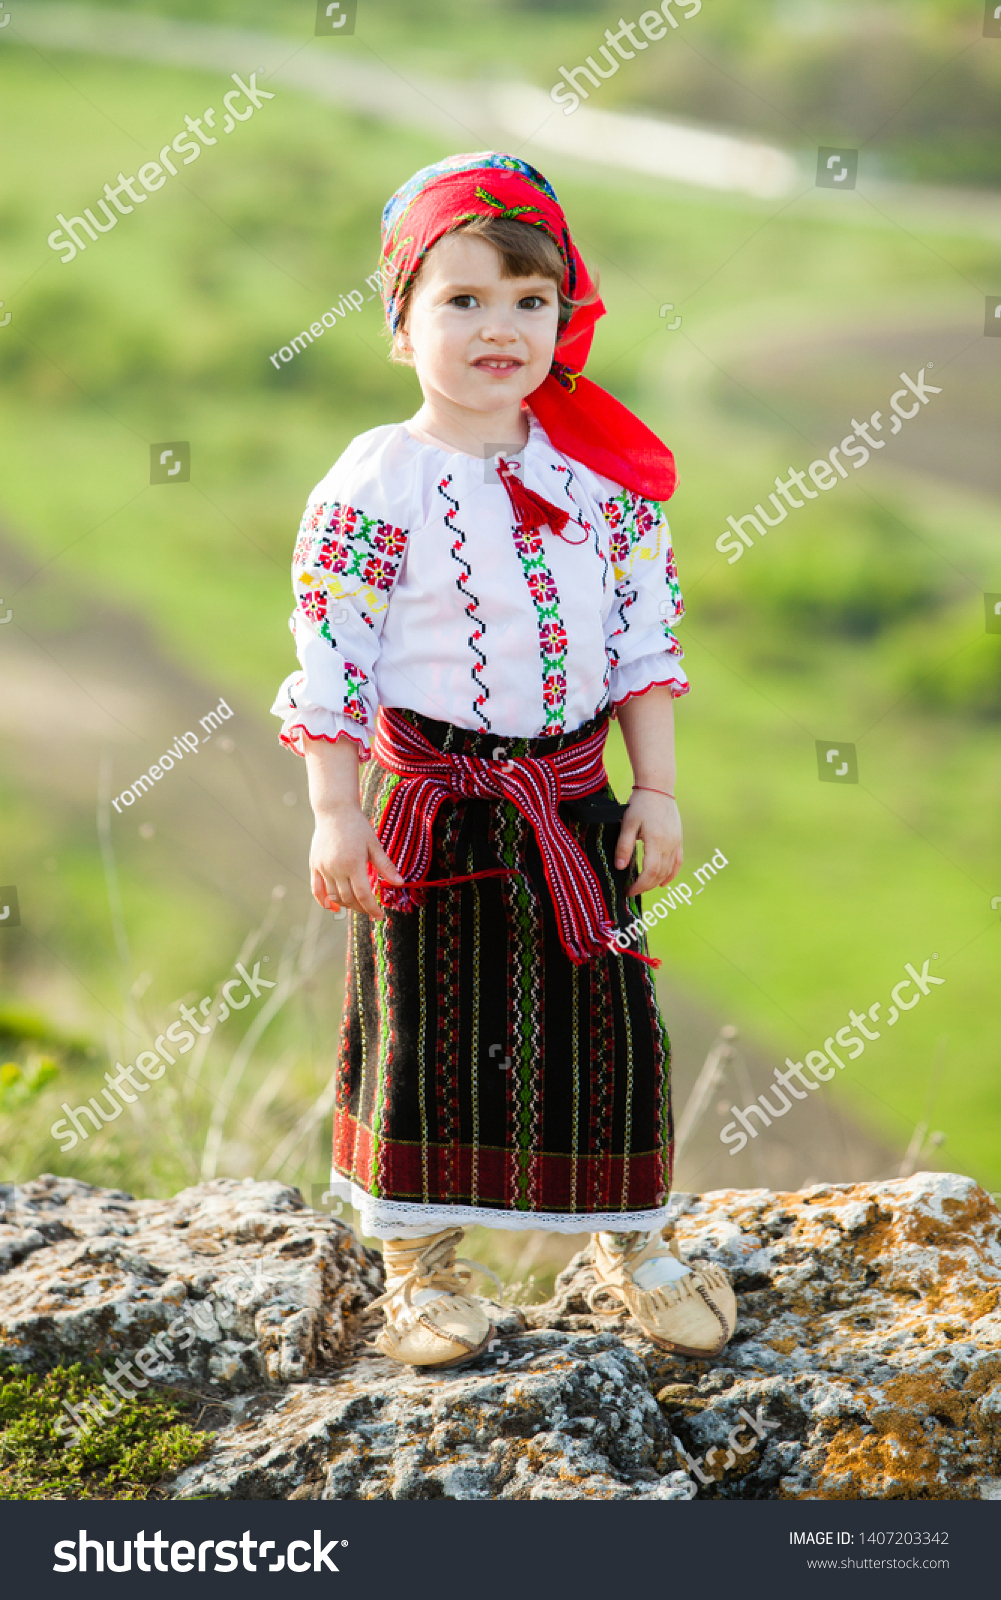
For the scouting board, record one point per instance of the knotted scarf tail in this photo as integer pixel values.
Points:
(590, 425)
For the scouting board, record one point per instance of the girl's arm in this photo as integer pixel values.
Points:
(344, 841)
(647, 723)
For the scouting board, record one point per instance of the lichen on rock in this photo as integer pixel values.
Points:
(866, 1361)
(256, 1287)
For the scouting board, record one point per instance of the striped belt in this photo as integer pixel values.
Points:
(534, 784)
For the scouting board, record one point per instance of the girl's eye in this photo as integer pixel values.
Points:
(463, 301)
(531, 302)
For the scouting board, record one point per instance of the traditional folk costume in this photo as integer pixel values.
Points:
(471, 624)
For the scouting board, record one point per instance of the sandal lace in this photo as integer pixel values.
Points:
(434, 1268)
(631, 1249)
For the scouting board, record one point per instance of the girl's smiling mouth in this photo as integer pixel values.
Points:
(499, 364)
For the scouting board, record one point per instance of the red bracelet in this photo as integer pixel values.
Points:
(648, 790)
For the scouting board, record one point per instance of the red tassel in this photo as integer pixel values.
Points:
(412, 895)
(637, 955)
(531, 510)
(466, 877)
(650, 961)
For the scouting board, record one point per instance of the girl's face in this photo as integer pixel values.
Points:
(479, 340)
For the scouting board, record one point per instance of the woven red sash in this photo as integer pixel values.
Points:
(535, 784)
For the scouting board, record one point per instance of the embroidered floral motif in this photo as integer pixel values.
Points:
(565, 376)
(342, 541)
(390, 541)
(554, 693)
(568, 478)
(354, 681)
(552, 633)
(637, 532)
(380, 574)
(313, 605)
(342, 552)
(619, 546)
(542, 588)
(553, 638)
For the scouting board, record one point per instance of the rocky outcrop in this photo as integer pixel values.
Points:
(866, 1364)
(255, 1287)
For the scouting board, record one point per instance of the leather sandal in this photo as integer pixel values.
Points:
(431, 1319)
(694, 1315)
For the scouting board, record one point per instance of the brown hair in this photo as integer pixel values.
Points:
(525, 252)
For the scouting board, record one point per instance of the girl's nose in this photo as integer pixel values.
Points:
(498, 328)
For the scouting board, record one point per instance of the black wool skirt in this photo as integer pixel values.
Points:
(483, 1077)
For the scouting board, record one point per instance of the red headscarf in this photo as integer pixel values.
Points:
(581, 419)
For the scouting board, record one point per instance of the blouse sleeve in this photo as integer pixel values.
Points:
(347, 558)
(642, 648)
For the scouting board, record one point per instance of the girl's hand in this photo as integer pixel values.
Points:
(655, 820)
(344, 848)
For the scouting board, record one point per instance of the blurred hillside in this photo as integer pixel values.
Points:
(912, 82)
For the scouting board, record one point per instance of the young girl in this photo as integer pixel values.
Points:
(477, 590)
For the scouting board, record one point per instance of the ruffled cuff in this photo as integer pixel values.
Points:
(300, 719)
(637, 677)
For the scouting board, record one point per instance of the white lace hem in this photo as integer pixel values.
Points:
(380, 1219)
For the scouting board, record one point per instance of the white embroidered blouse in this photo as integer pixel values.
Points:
(415, 587)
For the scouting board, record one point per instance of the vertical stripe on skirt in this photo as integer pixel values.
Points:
(480, 1070)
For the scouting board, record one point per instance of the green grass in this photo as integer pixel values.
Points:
(121, 1458)
(858, 619)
